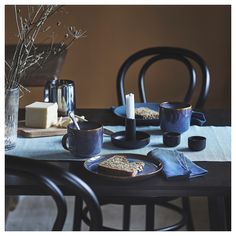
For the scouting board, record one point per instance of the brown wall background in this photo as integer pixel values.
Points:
(115, 32)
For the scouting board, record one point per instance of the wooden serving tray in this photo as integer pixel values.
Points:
(37, 132)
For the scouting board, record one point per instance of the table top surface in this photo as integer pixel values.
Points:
(216, 182)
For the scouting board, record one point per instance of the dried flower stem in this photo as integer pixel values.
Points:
(26, 54)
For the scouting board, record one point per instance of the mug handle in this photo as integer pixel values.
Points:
(64, 141)
(198, 118)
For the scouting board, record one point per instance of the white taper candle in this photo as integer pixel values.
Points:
(130, 112)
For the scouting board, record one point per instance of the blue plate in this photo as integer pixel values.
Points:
(120, 111)
(150, 168)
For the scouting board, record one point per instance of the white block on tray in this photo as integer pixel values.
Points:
(41, 115)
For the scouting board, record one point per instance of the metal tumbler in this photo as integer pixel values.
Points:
(63, 93)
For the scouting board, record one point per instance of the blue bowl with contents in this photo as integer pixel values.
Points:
(120, 111)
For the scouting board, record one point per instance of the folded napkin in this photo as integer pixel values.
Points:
(176, 165)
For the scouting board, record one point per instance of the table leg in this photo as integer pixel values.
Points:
(187, 209)
(228, 212)
(150, 208)
(216, 207)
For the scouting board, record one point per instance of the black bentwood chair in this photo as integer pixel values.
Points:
(156, 54)
(153, 55)
(49, 179)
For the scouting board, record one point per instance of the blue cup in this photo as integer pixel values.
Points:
(86, 142)
(177, 117)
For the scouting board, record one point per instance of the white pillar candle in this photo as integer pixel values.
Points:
(130, 112)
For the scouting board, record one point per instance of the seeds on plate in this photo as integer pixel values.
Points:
(146, 113)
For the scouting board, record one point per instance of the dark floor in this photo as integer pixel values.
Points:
(38, 213)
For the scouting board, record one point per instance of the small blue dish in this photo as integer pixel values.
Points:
(121, 112)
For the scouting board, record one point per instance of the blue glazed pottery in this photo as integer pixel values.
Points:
(86, 142)
(171, 139)
(196, 143)
(175, 116)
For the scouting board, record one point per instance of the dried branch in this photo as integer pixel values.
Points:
(26, 53)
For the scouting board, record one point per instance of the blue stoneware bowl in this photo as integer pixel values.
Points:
(86, 142)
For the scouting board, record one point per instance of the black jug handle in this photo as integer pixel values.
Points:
(46, 91)
(198, 118)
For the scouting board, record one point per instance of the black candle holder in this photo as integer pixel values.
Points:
(130, 129)
(130, 138)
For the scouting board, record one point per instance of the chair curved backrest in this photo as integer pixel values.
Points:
(159, 53)
(46, 175)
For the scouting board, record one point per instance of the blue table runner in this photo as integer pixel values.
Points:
(218, 146)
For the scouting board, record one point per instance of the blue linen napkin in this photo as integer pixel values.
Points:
(176, 165)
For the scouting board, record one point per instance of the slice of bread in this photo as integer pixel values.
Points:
(120, 166)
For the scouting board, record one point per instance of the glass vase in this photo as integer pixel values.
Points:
(11, 117)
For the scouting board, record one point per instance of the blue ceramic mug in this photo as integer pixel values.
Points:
(177, 117)
(86, 142)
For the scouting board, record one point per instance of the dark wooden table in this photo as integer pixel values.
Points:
(216, 185)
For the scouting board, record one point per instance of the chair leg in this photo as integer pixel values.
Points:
(228, 212)
(77, 214)
(126, 217)
(150, 207)
(187, 209)
(216, 207)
